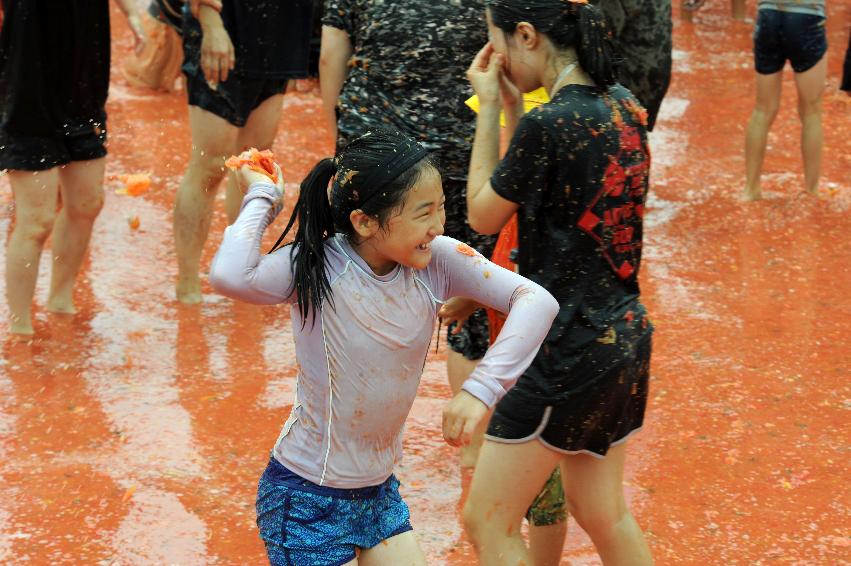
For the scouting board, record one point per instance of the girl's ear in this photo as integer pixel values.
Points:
(365, 226)
(526, 35)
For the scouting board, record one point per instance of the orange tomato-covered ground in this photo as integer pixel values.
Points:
(135, 431)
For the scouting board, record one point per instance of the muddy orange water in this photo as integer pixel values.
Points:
(135, 431)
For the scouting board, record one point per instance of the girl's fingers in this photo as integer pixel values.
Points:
(280, 178)
(455, 432)
(467, 434)
(450, 429)
(223, 68)
(494, 65)
(482, 58)
(206, 67)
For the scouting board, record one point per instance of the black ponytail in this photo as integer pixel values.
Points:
(315, 224)
(567, 24)
(596, 55)
(372, 174)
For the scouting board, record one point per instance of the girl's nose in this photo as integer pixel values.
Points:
(437, 228)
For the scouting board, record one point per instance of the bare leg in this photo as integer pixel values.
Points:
(459, 368)
(213, 139)
(259, 131)
(506, 481)
(35, 211)
(546, 543)
(81, 186)
(401, 550)
(594, 491)
(810, 86)
(738, 9)
(756, 137)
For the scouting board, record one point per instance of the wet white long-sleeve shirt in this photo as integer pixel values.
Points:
(361, 362)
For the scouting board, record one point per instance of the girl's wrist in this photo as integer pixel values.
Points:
(489, 101)
(214, 5)
(209, 18)
(489, 112)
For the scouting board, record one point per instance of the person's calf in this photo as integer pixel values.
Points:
(22, 262)
(192, 213)
(616, 536)
(546, 543)
(812, 142)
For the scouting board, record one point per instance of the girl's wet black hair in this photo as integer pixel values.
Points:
(567, 24)
(373, 173)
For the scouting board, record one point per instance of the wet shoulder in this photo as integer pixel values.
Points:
(577, 110)
(336, 256)
(448, 257)
(571, 106)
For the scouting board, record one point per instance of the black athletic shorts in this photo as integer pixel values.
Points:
(54, 81)
(79, 141)
(616, 368)
(233, 100)
(779, 36)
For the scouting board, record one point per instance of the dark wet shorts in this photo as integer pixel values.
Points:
(780, 36)
(233, 100)
(602, 414)
(472, 340)
(74, 141)
(305, 524)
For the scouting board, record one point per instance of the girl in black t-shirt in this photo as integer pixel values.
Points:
(576, 174)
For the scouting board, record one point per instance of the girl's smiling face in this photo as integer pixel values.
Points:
(407, 237)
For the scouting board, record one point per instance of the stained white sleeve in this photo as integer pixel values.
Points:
(240, 270)
(530, 309)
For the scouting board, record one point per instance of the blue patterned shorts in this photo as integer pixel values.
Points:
(305, 524)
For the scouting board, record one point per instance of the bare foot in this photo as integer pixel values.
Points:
(63, 305)
(21, 327)
(189, 292)
(752, 195)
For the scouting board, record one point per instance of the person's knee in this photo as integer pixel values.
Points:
(470, 519)
(598, 520)
(85, 209)
(767, 109)
(207, 167)
(808, 109)
(37, 226)
(475, 523)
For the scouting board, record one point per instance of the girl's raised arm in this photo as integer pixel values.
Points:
(239, 270)
(530, 309)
